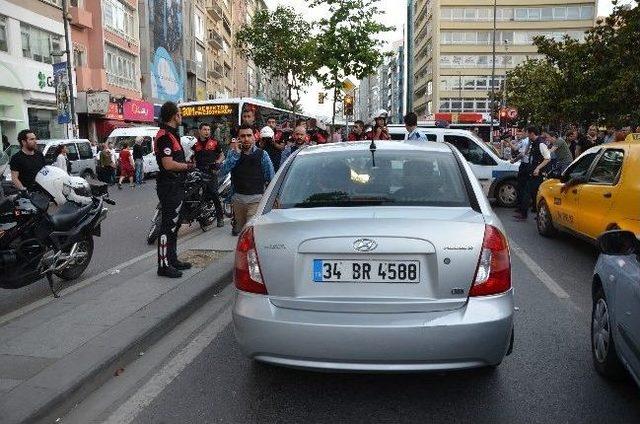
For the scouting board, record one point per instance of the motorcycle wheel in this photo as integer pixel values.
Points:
(74, 271)
(206, 222)
(154, 230)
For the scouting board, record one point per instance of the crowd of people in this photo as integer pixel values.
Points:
(546, 152)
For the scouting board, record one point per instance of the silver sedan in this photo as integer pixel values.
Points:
(374, 257)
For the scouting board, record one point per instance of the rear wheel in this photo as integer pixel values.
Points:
(544, 222)
(507, 194)
(154, 229)
(84, 251)
(603, 349)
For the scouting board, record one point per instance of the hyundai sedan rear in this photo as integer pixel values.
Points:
(379, 257)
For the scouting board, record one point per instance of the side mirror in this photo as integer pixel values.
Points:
(618, 243)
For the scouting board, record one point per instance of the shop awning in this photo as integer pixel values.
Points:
(8, 119)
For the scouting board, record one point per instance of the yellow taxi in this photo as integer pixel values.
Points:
(599, 191)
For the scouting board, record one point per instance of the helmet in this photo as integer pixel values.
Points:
(382, 113)
(267, 132)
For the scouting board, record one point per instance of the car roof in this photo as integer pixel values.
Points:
(400, 129)
(134, 131)
(360, 146)
(61, 140)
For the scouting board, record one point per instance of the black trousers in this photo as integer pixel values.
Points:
(171, 196)
(529, 193)
(212, 193)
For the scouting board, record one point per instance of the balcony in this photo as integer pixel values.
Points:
(191, 67)
(80, 18)
(214, 9)
(216, 71)
(215, 40)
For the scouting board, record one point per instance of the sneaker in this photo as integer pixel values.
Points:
(181, 266)
(119, 186)
(169, 271)
(220, 222)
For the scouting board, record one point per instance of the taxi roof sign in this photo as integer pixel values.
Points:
(347, 85)
(633, 137)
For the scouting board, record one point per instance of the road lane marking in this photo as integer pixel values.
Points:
(545, 278)
(129, 410)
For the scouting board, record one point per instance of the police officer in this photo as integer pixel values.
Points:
(207, 154)
(170, 188)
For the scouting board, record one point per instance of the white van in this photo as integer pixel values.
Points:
(497, 176)
(120, 136)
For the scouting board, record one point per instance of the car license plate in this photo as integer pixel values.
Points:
(365, 271)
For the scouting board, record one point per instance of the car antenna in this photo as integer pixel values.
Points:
(372, 149)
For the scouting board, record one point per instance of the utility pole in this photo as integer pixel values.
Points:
(67, 39)
(493, 69)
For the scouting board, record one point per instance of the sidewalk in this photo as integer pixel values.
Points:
(55, 353)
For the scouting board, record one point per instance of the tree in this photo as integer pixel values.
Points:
(280, 43)
(594, 81)
(531, 88)
(346, 43)
(282, 105)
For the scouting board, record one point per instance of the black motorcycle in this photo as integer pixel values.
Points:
(197, 207)
(35, 243)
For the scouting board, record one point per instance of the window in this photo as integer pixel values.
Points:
(607, 170)
(399, 179)
(3, 33)
(72, 151)
(579, 169)
(471, 151)
(120, 19)
(54, 2)
(573, 13)
(586, 12)
(40, 45)
(121, 67)
(85, 150)
(199, 27)
(79, 57)
(429, 88)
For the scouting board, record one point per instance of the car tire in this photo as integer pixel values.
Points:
(544, 221)
(603, 349)
(506, 194)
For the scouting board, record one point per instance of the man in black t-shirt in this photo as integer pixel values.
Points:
(173, 167)
(208, 156)
(138, 159)
(26, 164)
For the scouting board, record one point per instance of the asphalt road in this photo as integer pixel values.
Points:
(123, 237)
(549, 377)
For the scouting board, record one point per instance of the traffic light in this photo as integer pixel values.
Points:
(503, 113)
(348, 105)
(321, 97)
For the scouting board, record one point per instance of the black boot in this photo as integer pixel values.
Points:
(179, 265)
(169, 271)
(220, 222)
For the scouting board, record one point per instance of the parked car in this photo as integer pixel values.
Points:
(615, 323)
(79, 155)
(598, 192)
(497, 176)
(385, 259)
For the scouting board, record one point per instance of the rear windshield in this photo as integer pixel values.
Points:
(399, 178)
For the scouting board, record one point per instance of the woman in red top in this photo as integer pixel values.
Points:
(126, 166)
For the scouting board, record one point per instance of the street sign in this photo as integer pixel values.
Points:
(348, 86)
(512, 113)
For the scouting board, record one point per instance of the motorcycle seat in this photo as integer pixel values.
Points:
(68, 215)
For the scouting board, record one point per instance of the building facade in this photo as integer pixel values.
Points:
(219, 50)
(106, 53)
(409, 42)
(31, 41)
(453, 46)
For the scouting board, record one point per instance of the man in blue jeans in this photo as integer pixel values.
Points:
(138, 155)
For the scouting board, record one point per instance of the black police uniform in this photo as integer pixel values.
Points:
(170, 188)
(206, 152)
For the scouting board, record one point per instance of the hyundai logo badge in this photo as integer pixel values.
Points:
(365, 245)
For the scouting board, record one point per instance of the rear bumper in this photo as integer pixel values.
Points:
(475, 335)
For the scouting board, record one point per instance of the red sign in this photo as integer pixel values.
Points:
(512, 113)
(130, 110)
(137, 110)
(460, 118)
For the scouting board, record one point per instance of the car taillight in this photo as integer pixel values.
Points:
(247, 274)
(493, 275)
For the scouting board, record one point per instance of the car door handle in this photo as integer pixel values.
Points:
(607, 195)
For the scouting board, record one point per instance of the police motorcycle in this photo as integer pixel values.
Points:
(195, 206)
(37, 242)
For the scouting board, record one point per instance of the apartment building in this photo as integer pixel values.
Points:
(219, 48)
(106, 59)
(31, 41)
(453, 46)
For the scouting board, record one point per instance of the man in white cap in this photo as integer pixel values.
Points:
(271, 146)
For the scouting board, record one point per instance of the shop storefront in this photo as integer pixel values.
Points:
(117, 113)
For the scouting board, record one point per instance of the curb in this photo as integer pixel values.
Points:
(59, 387)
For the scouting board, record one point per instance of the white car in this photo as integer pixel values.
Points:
(497, 176)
